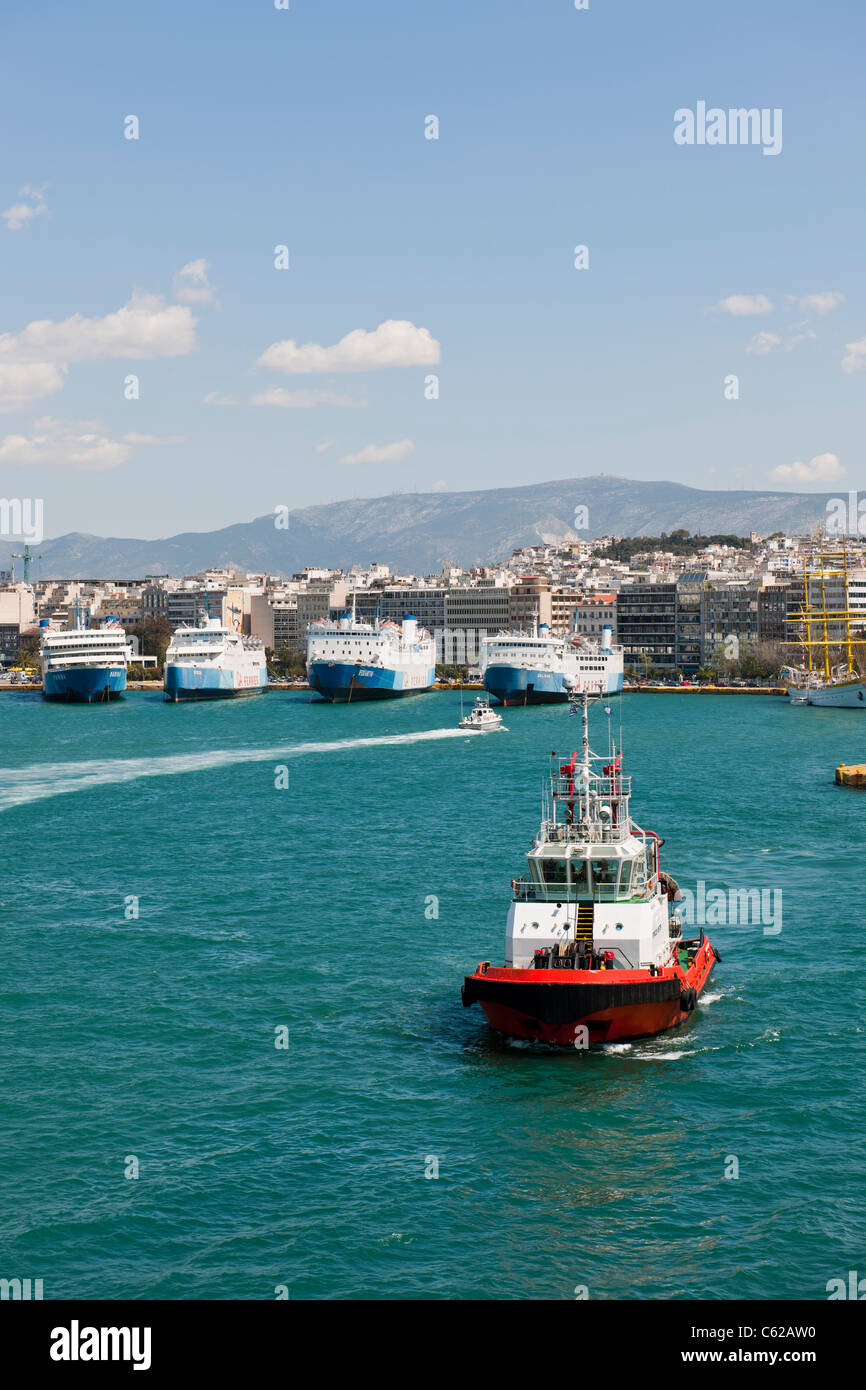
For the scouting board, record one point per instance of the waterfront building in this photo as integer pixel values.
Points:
(647, 624)
(17, 612)
(470, 615)
(730, 619)
(530, 601)
(563, 607)
(186, 605)
(594, 612)
(319, 601)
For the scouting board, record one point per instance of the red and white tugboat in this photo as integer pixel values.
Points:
(593, 950)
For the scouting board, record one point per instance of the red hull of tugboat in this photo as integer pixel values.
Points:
(614, 1005)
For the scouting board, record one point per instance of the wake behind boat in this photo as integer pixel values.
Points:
(593, 952)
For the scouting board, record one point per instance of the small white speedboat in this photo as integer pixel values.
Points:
(481, 717)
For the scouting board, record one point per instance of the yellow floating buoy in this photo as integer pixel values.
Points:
(851, 774)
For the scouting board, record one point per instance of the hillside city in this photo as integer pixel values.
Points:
(683, 607)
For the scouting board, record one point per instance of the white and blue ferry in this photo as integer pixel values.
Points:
(353, 660)
(538, 667)
(211, 661)
(84, 663)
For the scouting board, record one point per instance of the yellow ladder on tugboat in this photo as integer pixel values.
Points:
(583, 925)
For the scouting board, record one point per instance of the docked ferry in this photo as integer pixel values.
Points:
(534, 668)
(353, 660)
(84, 664)
(594, 951)
(210, 661)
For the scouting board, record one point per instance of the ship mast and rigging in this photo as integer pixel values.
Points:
(827, 570)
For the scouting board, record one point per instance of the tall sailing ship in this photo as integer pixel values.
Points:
(827, 624)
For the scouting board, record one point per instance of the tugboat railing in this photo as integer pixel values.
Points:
(599, 833)
(566, 786)
(528, 890)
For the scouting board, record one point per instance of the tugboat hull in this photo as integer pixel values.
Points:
(553, 1005)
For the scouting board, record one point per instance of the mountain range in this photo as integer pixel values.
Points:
(419, 532)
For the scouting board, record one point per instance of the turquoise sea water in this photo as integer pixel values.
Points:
(307, 907)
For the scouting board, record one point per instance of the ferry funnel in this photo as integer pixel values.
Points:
(606, 635)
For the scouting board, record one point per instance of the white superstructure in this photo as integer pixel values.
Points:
(593, 877)
(539, 667)
(353, 660)
(84, 663)
(211, 660)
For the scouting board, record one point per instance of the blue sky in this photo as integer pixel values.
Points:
(305, 128)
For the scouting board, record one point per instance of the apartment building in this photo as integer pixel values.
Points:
(595, 611)
(530, 600)
(647, 624)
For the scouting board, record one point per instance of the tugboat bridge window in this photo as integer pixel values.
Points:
(579, 877)
(553, 870)
(604, 872)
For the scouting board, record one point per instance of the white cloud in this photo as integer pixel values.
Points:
(381, 453)
(395, 343)
(23, 383)
(214, 398)
(191, 284)
(762, 343)
(441, 486)
(134, 438)
(303, 400)
(824, 302)
(823, 468)
(855, 357)
(19, 214)
(325, 445)
(802, 332)
(82, 447)
(33, 362)
(742, 304)
(145, 327)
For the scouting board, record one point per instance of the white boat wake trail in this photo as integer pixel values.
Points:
(20, 785)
